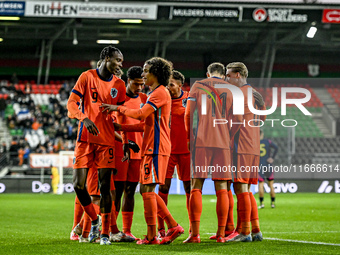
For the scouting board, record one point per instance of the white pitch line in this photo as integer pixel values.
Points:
(302, 232)
(299, 241)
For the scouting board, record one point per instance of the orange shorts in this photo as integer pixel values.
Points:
(214, 161)
(121, 169)
(90, 154)
(128, 171)
(153, 169)
(93, 183)
(247, 166)
(182, 162)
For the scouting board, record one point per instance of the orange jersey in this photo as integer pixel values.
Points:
(177, 127)
(88, 94)
(216, 107)
(247, 139)
(132, 103)
(156, 113)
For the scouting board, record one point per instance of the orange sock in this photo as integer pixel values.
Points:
(187, 203)
(105, 223)
(150, 213)
(164, 213)
(78, 212)
(113, 220)
(222, 207)
(164, 196)
(89, 209)
(97, 209)
(244, 212)
(195, 205)
(87, 225)
(230, 221)
(254, 216)
(116, 213)
(127, 221)
(81, 223)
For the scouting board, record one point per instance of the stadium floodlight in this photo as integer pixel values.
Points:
(311, 32)
(1, 39)
(131, 21)
(107, 41)
(9, 18)
(75, 40)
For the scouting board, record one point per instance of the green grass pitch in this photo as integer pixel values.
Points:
(41, 224)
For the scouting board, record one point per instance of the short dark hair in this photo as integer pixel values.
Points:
(108, 52)
(178, 76)
(135, 72)
(161, 68)
(216, 68)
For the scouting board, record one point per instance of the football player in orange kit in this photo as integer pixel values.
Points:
(246, 153)
(95, 142)
(156, 147)
(180, 155)
(210, 146)
(127, 177)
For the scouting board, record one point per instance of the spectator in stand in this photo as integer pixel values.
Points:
(14, 79)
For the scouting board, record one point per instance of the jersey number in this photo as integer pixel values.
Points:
(263, 150)
(146, 169)
(111, 153)
(223, 97)
(95, 97)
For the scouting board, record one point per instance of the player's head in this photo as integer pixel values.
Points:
(216, 69)
(176, 82)
(237, 73)
(112, 59)
(261, 134)
(135, 81)
(157, 70)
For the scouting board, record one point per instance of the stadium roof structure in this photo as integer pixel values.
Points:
(182, 29)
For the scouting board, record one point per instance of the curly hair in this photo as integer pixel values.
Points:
(108, 52)
(161, 68)
(135, 72)
(178, 76)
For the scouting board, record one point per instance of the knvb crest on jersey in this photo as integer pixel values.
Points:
(113, 92)
(184, 102)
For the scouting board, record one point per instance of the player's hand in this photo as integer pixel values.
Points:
(117, 126)
(270, 160)
(133, 146)
(108, 108)
(91, 127)
(114, 171)
(126, 151)
(258, 98)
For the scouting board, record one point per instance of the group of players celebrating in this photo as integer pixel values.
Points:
(157, 128)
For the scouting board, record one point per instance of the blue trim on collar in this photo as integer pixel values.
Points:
(102, 78)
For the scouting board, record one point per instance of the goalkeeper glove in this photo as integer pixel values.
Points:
(133, 146)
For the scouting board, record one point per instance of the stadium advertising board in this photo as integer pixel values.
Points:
(12, 8)
(65, 9)
(24, 185)
(331, 16)
(281, 15)
(205, 12)
(48, 160)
